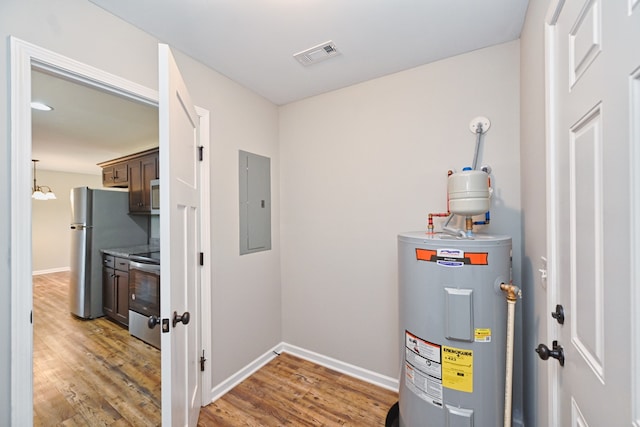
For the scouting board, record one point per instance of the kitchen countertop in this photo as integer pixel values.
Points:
(125, 252)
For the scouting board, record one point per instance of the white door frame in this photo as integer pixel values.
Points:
(555, 7)
(553, 12)
(634, 82)
(24, 56)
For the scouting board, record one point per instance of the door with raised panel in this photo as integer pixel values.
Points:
(179, 245)
(593, 59)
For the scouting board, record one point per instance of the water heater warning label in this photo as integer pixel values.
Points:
(423, 369)
(482, 335)
(448, 257)
(457, 369)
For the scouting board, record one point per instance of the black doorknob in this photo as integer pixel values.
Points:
(559, 314)
(556, 352)
(184, 318)
(153, 321)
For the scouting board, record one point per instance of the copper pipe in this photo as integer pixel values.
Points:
(513, 292)
(430, 226)
(469, 224)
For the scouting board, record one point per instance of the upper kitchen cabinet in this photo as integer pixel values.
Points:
(134, 172)
(141, 172)
(115, 175)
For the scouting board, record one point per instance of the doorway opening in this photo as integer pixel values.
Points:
(24, 58)
(86, 369)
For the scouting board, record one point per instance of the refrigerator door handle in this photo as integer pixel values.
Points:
(80, 227)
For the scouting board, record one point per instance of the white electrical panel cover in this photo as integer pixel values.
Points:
(255, 202)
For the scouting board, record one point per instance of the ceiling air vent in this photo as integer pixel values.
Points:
(317, 53)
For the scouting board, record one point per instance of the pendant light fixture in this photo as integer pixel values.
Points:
(41, 192)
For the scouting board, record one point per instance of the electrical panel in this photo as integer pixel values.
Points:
(255, 202)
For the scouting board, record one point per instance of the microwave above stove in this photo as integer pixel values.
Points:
(154, 196)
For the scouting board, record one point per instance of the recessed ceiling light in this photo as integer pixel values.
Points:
(40, 106)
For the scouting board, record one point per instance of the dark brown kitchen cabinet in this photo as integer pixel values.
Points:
(116, 175)
(141, 172)
(115, 288)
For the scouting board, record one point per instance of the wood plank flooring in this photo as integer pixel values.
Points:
(290, 391)
(93, 373)
(88, 372)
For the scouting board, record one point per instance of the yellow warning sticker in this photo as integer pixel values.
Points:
(482, 335)
(457, 369)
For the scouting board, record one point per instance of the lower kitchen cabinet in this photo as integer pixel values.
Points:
(115, 288)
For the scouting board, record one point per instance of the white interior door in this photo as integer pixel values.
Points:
(593, 53)
(179, 246)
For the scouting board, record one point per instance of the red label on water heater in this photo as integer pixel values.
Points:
(449, 257)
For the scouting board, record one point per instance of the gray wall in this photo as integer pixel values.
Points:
(50, 220)
(247, 289)
(533, 175)
(362, 164)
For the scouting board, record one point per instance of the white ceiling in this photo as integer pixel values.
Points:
(86, 126)
(252, 42)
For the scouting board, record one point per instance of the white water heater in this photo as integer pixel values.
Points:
(453, 324)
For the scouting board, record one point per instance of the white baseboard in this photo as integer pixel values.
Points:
(50, 270)
(331, 363)
(221, 389)
(353, 371)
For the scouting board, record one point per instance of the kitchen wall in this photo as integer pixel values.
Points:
(246, 300)
(533, 173)
(362, 164)
(51, 218)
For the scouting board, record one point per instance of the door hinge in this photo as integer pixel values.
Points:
(202, 360)
(201, 258)
(201, 152)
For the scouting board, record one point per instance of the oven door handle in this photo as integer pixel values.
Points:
(149, 268)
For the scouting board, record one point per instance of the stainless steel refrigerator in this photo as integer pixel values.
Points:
(99, 220)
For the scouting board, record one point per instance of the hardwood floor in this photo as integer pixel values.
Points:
(88, 372)
(93, 373)
(290, 391)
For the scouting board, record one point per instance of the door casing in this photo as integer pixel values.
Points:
(24, 57)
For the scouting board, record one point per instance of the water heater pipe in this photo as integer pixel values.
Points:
(469, 226)
(513, 292)
(478, 125)
(474, 165)
(430, 226)
(487, 219)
